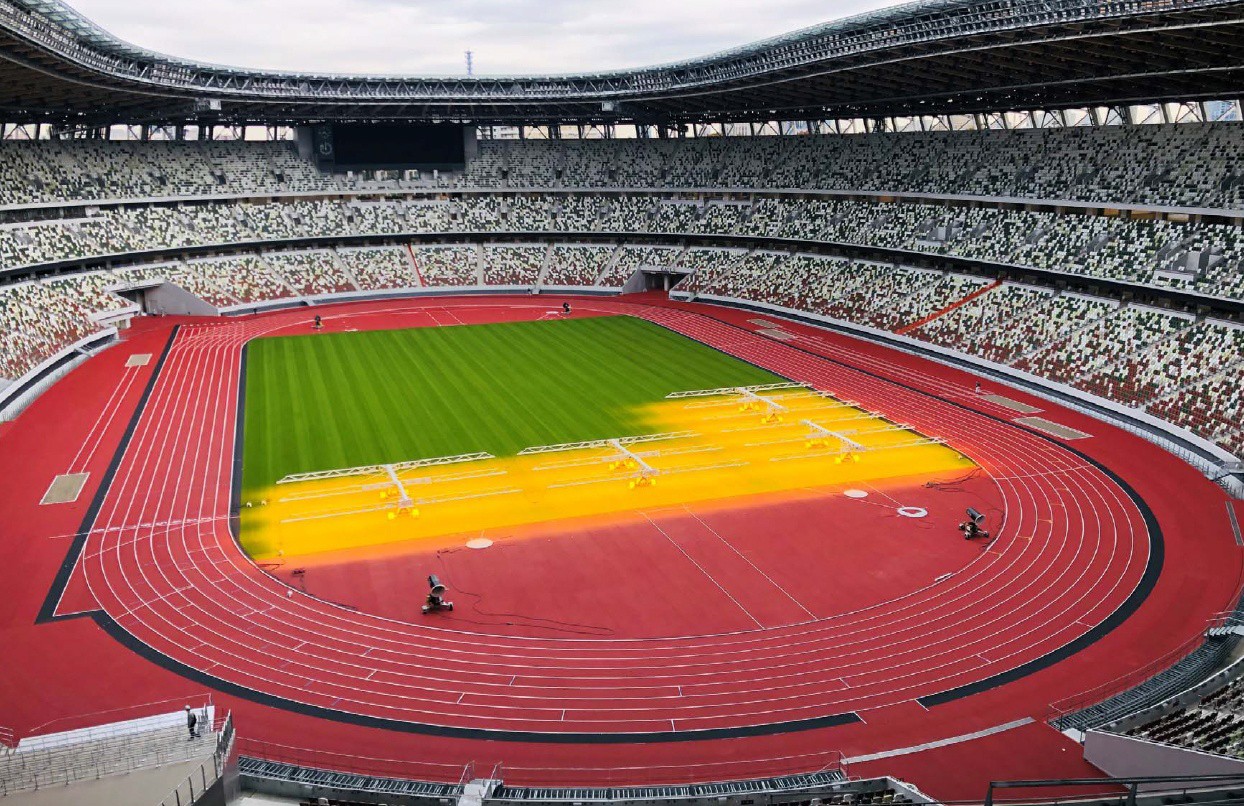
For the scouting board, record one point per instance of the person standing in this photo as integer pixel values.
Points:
(192, 723)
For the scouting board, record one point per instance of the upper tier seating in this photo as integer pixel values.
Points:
(45, 171)
(1188, 165)
(1191, 165)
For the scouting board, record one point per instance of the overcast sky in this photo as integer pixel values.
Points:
(430, 36)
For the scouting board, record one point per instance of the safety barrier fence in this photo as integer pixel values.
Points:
(726, 770)
(1062, 713)
(354, 764)
(720, 771)
(1130, 791)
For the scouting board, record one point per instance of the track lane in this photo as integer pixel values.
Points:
(240, 623)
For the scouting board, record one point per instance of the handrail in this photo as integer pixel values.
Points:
(219, 763)
(1101, 693)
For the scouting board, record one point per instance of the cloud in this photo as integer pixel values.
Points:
(431, 36)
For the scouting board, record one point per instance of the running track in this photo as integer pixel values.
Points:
(1080, 548)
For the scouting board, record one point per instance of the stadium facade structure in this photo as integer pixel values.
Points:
(926, 59)
(945, 56)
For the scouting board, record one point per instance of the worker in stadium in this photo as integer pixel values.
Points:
(192, 723)
(319, 324)
(565, 309)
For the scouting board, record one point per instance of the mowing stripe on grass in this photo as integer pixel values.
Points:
(316, 402)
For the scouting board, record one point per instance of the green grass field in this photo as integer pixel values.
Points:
(327, 401)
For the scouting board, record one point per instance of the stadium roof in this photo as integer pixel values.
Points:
(942, 56)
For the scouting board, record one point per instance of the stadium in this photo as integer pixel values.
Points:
(853, 417)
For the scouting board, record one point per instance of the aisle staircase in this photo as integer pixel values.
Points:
(414, 264)
(98, 753)
(985, 289)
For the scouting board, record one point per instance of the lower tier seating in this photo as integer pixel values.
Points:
(1197, 256)
(1171, 364)
(1215, 725)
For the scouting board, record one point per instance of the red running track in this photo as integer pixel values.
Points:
(159, 570)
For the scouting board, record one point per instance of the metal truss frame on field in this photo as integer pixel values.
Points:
(373, 470)
(635, 456)
(849, 447)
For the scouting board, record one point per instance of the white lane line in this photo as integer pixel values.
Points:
(703, 571)
(1037, 453)
(100, 427)
(747, 560)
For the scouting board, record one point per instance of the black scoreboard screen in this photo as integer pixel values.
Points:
(398, 145)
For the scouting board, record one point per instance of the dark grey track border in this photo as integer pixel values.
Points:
(47, 612)
(1153, 568)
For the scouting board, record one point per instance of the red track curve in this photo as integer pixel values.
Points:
(160, 562)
